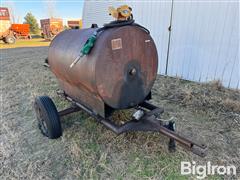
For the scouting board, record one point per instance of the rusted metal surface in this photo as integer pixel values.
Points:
(69, 110)
(118, 73)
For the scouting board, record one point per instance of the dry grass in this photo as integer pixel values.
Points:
(25, 43)
(203, 96)
(216, 85)
(87, 150)
(231, 105)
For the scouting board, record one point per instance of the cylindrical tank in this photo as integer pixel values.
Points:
(120, 69)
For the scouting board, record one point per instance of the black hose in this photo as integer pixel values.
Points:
(113, 24)
(118, 23)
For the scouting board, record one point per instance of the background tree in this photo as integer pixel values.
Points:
(32, 21)
(65, 27)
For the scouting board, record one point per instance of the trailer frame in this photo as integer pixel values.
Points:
(148, 122)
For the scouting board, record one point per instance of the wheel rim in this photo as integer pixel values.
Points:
(11, 40)
(41, 122)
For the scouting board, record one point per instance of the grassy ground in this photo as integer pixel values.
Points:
(205, 112)
(25, 43)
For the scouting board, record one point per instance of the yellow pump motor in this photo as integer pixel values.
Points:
(121, 13)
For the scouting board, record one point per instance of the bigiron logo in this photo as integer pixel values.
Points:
(202, 171)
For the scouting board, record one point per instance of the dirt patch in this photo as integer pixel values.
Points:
(205, 112)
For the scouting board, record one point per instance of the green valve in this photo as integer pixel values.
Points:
(85, 49)
(88, 45)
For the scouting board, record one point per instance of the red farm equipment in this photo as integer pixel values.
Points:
(51, 27)
(75, 24)
(21, 31)
(10, 32)
(5, 24)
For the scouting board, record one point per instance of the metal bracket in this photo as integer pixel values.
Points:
(69, 110)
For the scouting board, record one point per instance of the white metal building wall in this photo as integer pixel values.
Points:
(204, 41)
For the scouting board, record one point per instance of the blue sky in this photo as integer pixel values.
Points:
(44, 8)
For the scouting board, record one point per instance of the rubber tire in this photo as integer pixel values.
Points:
(50, 116)
(10, 39)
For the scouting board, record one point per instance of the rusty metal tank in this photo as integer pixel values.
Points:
(118, 73)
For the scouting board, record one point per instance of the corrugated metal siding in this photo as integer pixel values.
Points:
(204, 43)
